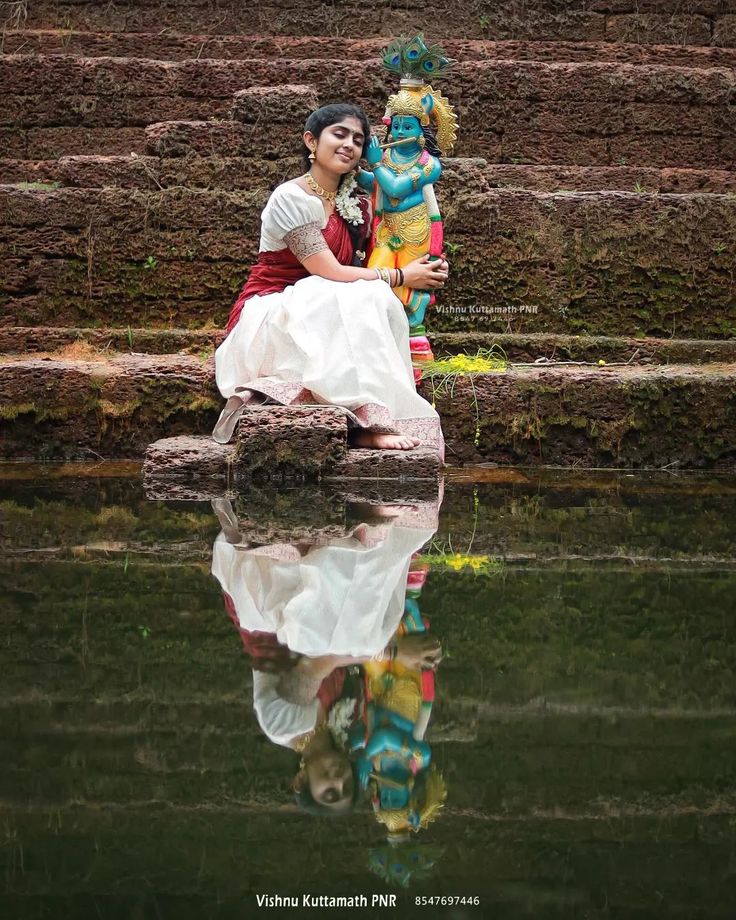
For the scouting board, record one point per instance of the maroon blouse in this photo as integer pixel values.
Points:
(275, 271)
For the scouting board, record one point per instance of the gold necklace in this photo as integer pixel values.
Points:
(403, 167)
(316, 187)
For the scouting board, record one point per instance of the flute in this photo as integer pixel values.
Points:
(403, 140)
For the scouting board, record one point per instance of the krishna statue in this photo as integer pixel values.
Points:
(421, 127)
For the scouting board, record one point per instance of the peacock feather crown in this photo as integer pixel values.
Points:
(412, 59)
(414, 62)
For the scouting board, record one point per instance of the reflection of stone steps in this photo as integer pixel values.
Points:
(547, 516)
(585, 685)
(590, 855)
(657, 644)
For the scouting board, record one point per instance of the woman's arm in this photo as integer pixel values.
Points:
(309, 246)
(326, 266)
(422, 274)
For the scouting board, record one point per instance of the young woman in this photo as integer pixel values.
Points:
(311, 326)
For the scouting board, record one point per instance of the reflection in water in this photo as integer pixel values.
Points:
(344, 664)
(584, 720)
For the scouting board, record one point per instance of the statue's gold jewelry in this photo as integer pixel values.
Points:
(316, 187)
(421, 141)
(410, 226)
(399, 167)
(408, 103)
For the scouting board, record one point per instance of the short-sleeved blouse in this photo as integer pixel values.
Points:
(288, 207)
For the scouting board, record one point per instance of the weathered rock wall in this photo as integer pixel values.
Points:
(596, 263)
(580, 113)
(692, 22)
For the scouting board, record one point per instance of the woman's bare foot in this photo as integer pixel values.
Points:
(384, 441)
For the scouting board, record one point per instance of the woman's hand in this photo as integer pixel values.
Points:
(418, 651)
(426, 274)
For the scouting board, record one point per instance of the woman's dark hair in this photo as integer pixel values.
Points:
(329, 115)
(306, 801)
(352, 688)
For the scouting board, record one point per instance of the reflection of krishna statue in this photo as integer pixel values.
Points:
(421, 127)
(393, 759)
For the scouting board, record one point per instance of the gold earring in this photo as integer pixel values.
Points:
(421, 141)
(312, 156)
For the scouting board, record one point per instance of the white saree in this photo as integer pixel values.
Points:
(323, 342)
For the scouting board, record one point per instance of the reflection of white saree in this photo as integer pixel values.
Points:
(344, 598)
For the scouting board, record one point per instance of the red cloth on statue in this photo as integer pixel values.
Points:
(275, 271)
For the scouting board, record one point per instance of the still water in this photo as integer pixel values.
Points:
(519, 696)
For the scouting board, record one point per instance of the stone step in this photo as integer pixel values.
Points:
(112, 408)
(54, 341)
(247, 172)
(170, 46)
(585, 113)
(701, 22)
(625, 416)
(599, 263)
(557, 415)
(186, 466)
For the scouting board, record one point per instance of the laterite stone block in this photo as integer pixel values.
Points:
(281, 441)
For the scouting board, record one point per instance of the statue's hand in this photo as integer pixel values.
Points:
(374, 154)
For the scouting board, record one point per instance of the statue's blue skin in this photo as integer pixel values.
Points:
(396, 185)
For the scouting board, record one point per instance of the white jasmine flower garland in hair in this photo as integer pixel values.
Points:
(347, 205)
(339, 719)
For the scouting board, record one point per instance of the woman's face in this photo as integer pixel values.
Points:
(330, 779)
(340, 146)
